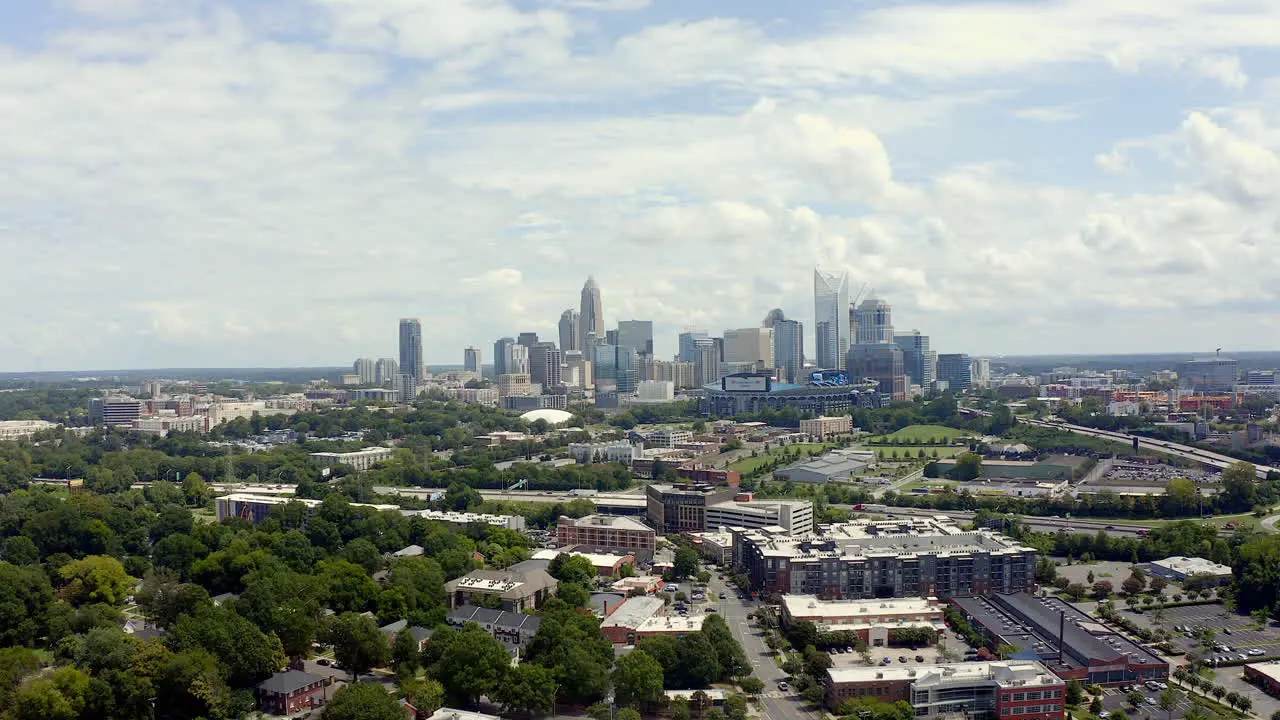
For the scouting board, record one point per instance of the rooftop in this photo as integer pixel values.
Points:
(1007, 673)
(283, 683)
(672, 624)
(1192, 565)
(634, 612)
(1270, 669)
(506, 583)
(881, 538)
(446, 713)
(496, 618)
(597, 559)
(811, 606)
(611, 521)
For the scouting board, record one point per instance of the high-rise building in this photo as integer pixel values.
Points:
(502, 351)
(688, 344)
(875, 321)
(527, 339)
(749, 345)
(366, 369)
(610, 337)
(788, 344)
(590, 314)
(627, 369)
(955, 370)
(406, 387)
(1209, 374)
(517, 359)
(545, 363)
(980, 374)
(916, 357)
(882, 363)
(636, 334)
(411, 347)
(568, 328)
(604, 367)
(471, 360)
(385, 371)
(706, 361)
(831, 318)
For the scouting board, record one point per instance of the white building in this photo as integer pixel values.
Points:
(824, 427)
(1124, 408)
(749, 345)
(980, 372)
(667, 438)
(614, 451)
(162, 425)
(795, 517)
(18, 429)
(655, 391)
(474, 396)
(1181, 568)
(360, 460)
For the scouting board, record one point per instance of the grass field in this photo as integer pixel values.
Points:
(912, 452)
(922, 434)
(748, 464)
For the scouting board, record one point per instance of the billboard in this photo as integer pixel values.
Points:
(745, 383)
(828, 378)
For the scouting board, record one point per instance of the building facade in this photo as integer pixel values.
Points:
(636, 334)
(688, 341)
(567, 330)
(749, 397)
(366, 369)
(607, 533)
(1209, 375)
(831, 319)
(471, 360)
(590, 315)
(788, 349)
(793, 516)
(515, 591)
(750, 345)
(411, 347)
(385, 370)
(883, 364)
(955, 369)
(1008, 690)
(917, 360)
(824, 427)
(545, 362)
(875, 322)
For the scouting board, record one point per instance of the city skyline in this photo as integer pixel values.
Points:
(1093, 178)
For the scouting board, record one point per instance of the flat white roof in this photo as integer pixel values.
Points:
(446, 713)
(811, 606)
(616, 522)
(633, 612)
(672, 624)
(1270, 669)
(1192, 565)
(1008, 672)
(597, 559)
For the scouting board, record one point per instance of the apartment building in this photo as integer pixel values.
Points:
(359, 460)
(825, 427)
(607, 533)
(1009, 690)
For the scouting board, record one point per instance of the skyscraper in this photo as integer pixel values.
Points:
(688, 344)
(637, 334)
(365, 368)
(788, 344)
(980, 373)
(528, 339)
(749, 345)
(875, 321)
(471, 360)
(502, 351)
(881, 362)
(955, 370)
(517, 359)
(916, 358)
(411, 347)
(627, 368)
(706, 361)
(544, 364)
(569, 331)
(591, 314)
(831, 318)
(385, 370)
(604, 366)
(1209, 374)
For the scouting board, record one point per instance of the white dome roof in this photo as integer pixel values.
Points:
(553, 417)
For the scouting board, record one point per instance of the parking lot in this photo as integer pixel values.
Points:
(1114, 698)
(929, 655)
(1237, 632)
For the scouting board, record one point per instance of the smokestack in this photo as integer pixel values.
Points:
(1062, 633)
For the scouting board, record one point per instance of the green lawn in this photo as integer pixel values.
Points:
(748, 464)
(912, 451)
(922, 433)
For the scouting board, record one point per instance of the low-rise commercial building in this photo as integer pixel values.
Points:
(874, 621)
(621, 626)
(513, 629)
(607, 533)
(835, 466)
(19, 429)
(463, 519)
(825, 427)
(667, 438)
(708, 475)
(162, 425)
(1265, 675)
(612, 451)
(526, 403)
(793, 516)
(1021, 689)
(1067, 640)
(606, 564)
(256, 508)
(671, 625)
(715, 545)
(516, 591)
(683, 508)
(359, 460)
(915, 557)
(1180, 568)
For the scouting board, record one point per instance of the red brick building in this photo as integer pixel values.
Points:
(607, 534)
(286, 693)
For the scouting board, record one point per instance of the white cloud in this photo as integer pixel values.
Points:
(1113, 161)
(1224, 69)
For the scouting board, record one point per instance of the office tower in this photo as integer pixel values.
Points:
(569, 338)
(636, 334)
(875, 321)
(955, 370)
(916, 357)
(881, 363)
(501, 351)
(749, 345)
(688, 344)
(365, 368)
(706, 361)
(514, 384)
(545, 363)
(610, 337)
(831, 318)
(385, 371)
(980, 372)
(578, 367)
(517, 359)
(604, 367)
(788, 344)
(471, 360)
(590, 314)
(626, 369)
(411, 347)
(406, 387)
(527, 339)
(1209, 374)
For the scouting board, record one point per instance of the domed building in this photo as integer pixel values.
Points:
(551, 416)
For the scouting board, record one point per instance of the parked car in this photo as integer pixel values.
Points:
(840, 650)
(1226, 631)
(322, 661)
(919, 658)
(782, 685)
(1255, 652)
(886, 661)
(1151, 701)
(902, 658)
(849, 649)
(1104, 714)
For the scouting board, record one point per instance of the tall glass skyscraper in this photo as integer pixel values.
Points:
(569, 331)
(591, 314)
(875, 322)
(916, 358)
(471, 360)
(637, 334)
(831, 318)
(689, 344)
(501, 353)
(411, 347)
(788, 344)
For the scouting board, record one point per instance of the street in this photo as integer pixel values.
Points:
(775, 704)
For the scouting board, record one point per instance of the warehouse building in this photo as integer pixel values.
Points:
(1179, 568)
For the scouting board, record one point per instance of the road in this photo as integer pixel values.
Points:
(1186, 452)
(774, 704)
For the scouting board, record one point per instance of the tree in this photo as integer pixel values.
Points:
(572, 569)
(751, 685)
(1132, 585)
(1239, 486)
(968, 466)
(424, 694)
(473, 664)
(528, 689)
(802, 634)
(1135, 699)
(1170, 698)
(363, 701)
(685, 564)
(1102, 589)
(1233, 698)
(732, 659)
(96, 578)
(405, 656)
(1075, 591)
(195, 489)
(1157, 584)
(1095, 705)
(735, 707)
(569, 643)
(246, 653)
(574, 594)
(1075, 692)
(358, 645)
(627, 714)
(637, 679)
(679, 709)
(25, 599)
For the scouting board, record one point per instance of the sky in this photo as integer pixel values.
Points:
(188, 183)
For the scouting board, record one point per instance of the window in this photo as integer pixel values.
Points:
(1033, 695)
(1057, 693)
(1018, 697)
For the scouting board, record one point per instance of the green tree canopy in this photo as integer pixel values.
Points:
(363, 701)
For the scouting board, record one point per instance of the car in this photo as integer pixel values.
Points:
(782, 685)
(323, 661)
(721, 577)
(919, 658)
(902, 658)
(849, 649)
(839, 651)
(1162, 686)
(886, 661)
(1255, 652)
(1242, 656)
(711, 610)
(1104, 714)
(1226, 631)
(1151, 701)
(1109, 527)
